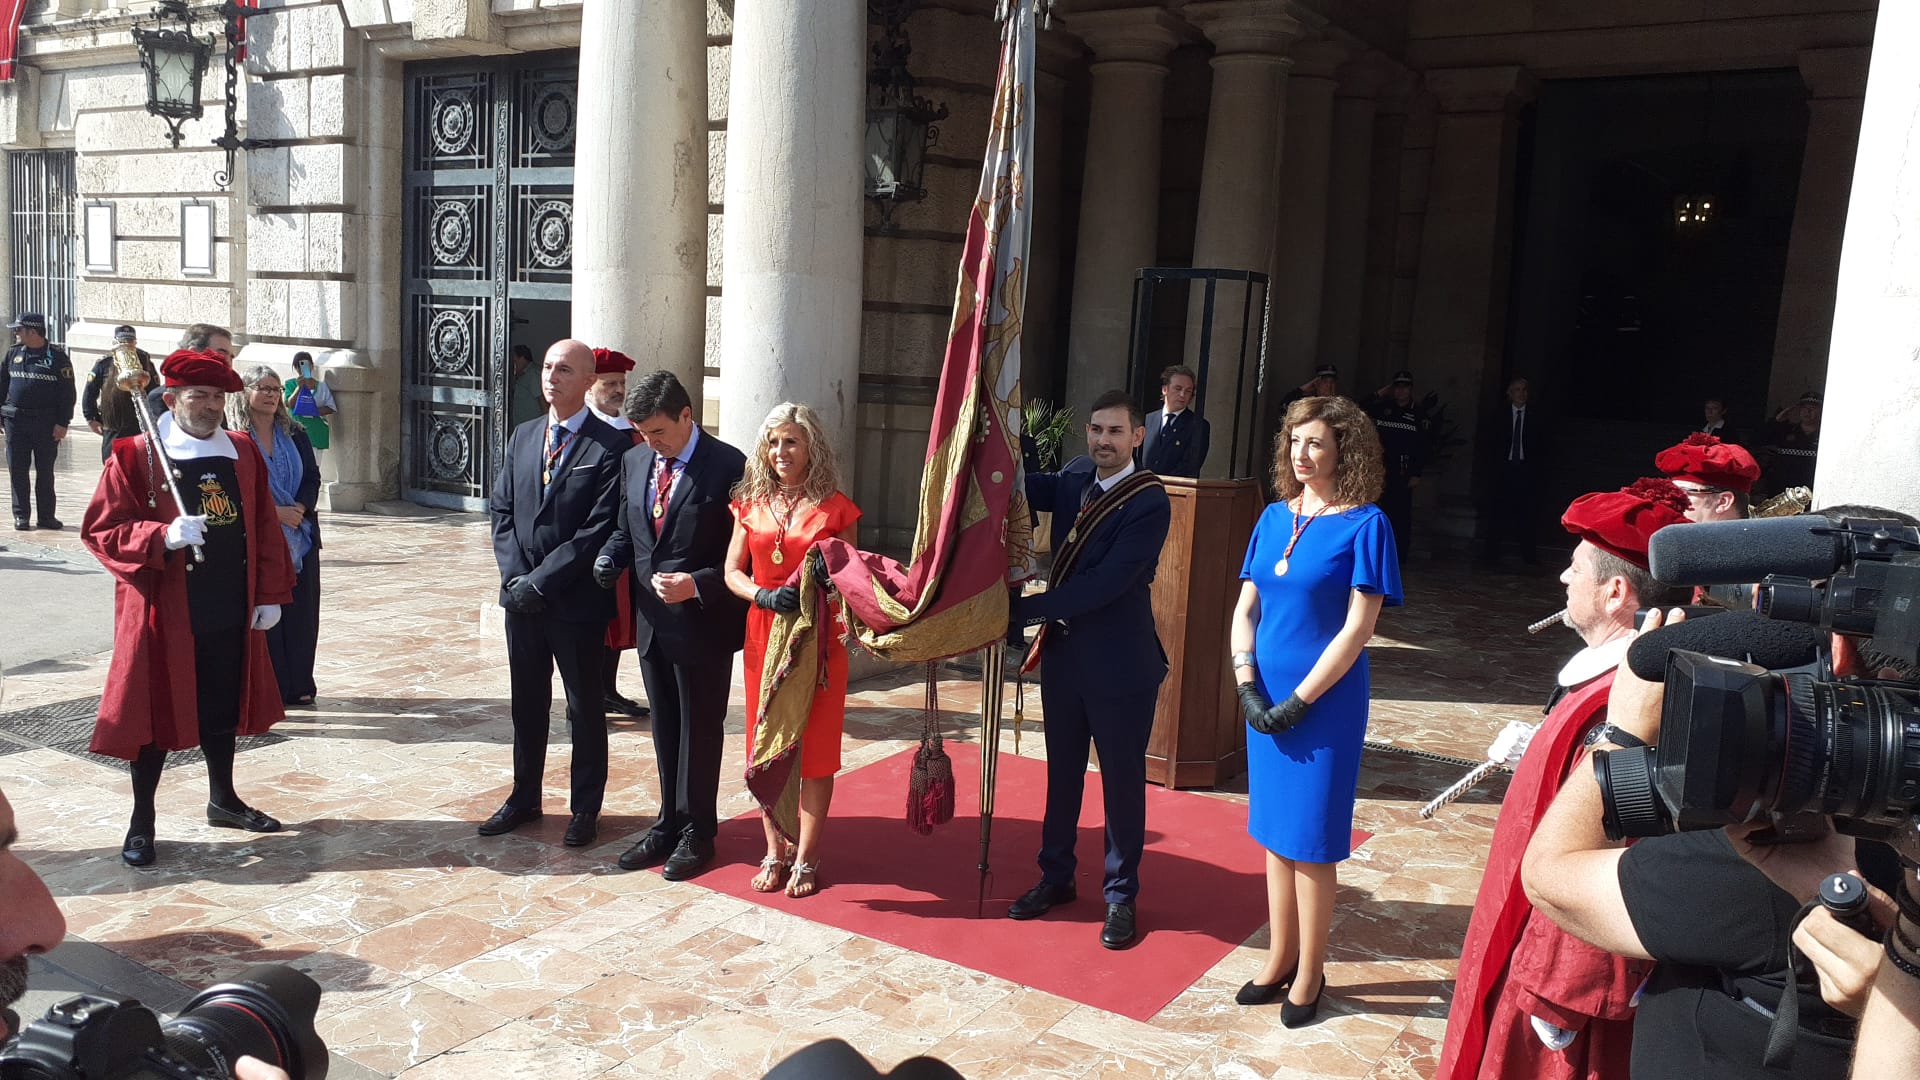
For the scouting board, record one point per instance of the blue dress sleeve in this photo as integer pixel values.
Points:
(1376, 562)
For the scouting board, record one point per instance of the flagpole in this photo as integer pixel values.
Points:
(992, 675)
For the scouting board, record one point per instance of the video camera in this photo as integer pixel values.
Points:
(1754, 726)
(266, 1012)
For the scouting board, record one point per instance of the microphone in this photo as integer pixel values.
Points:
(1736, 635)
(1740, 552)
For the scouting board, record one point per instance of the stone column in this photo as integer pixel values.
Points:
(1416, 169)
(1058, 54)
(1234, 229)
(640, 186)
(1459, 311)
(1836, 79)
(1386, 168)
(1872, 422)
(1120, 192)
(790, 298)
(1349, 202)
(1299, 259)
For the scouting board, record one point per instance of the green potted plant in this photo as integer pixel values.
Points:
(1048, 424)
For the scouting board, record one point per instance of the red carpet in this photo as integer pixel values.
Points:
(1202, 884)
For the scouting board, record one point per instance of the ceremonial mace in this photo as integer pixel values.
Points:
(1484, 769)
(130, 375)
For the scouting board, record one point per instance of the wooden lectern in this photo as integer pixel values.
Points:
(1199, 738)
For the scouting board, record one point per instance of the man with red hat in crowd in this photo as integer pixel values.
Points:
(608, 400)
(1531, 1001)
(1717, 478)
(198, 585)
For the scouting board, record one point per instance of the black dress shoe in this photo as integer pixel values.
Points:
(52, 523)
(1117, 933)
(1263, 993)
(138, 850)
(244, 818)
(508, 818)
(1294, 1016)
(22, 524)
(687, 860)
(625, 706)
(651, 850)
(1039, 900)
(582, 830)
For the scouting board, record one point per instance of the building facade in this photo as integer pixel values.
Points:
(1473, 189)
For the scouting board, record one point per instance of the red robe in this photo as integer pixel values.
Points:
(621, 633)
(151, 696)
(1516, 963)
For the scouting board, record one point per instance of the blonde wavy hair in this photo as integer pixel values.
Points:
(759, 484)
(1359, 474)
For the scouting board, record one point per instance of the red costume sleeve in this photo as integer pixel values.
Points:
(118, 528)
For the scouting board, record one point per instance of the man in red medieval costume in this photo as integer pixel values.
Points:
(198, 585)
(1532, 1002)
(607, 397)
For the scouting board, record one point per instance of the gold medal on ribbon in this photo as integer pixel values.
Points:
(659, 510)
(1073, 534)
(778, 557)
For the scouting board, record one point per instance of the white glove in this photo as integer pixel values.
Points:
(1511, 744)
(186, 530)
(266, 616)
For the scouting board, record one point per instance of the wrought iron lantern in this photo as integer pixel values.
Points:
(901, 125)
(175, 61)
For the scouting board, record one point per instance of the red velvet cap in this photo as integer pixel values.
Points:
(185, 367)
(609, 362)
(1707, 460)
(1623, 522)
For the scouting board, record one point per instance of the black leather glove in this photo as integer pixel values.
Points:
(786, 598)
(817, 565)
(523, 598)
(1253, 704)
(605, 574)
(1283, 716)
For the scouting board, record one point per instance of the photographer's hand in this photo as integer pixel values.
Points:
(1633, 705)
(252, 1068)
(1797, 867)
(1844, 958)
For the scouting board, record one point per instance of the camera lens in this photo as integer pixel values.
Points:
(267, 1013)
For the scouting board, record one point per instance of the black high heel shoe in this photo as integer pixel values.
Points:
(1293, 1016)
(1263, 993)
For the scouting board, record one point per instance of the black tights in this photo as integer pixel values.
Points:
(146, 779)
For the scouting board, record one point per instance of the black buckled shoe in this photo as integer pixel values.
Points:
(21, 524)
(508, 818)
(244, 818)
(52, 523)
(616, 702)
(688, 859)
(1118, 931)
(582, 830)
(138, 850)
(651, 850)
(1040, 899)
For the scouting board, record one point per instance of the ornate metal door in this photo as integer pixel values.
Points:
(40, 226)
(488, 221)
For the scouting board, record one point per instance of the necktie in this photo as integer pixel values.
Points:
(1517, 452)
(662, 491)
(556, 446)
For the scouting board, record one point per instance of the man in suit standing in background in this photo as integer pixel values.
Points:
(1516, 438)
(553, 508)
(1177, 437)
(1103, 663)
(674, 524)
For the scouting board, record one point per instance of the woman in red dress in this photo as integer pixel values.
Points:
(788, 499)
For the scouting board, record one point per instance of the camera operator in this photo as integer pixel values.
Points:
(1890, 1026)
(1701, 904)
(34, 925)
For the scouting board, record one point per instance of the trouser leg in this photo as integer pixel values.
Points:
(1121, 727)
(530, 682)
(580, 654)
(662, 681)
(219, 669)
(1067, 735)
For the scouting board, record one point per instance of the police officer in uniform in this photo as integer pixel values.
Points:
(1403, 438)
(1793, 445)
(36, 403)
(108, 409)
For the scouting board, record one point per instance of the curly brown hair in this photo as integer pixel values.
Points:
(1359, 473)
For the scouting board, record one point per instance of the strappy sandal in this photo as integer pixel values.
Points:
(773, 875)
(807, 875)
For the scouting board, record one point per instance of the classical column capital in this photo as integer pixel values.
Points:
(1371, 75)
(1264, 27)
(1318, 59)
(1058, 52)
(1835, 73)
(1483, 89)
(1138, 35)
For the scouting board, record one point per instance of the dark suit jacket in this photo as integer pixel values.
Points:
(1534, 433)
(1180, 454)
(1109, 644)
(552, 537)
(693, 540)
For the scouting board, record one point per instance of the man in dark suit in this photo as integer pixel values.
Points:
(553, 508)
(1177, 437)
(1102, 663)
(1517, 442)
(674, 527)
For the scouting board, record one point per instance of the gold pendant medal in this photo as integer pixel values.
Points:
(778, 557)
(1280, 568)
(1073, 535)
(659, 510)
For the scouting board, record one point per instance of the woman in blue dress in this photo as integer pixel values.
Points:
(1320, 566)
